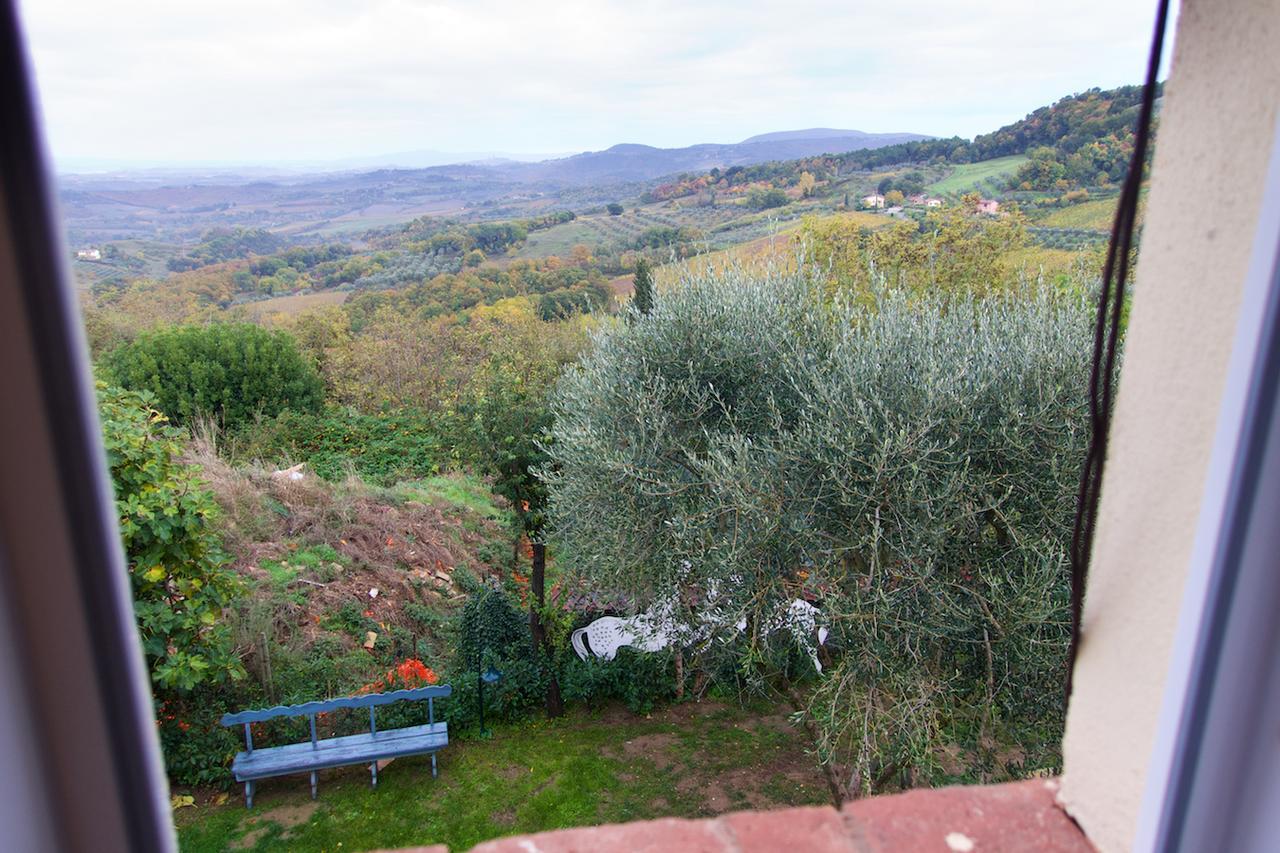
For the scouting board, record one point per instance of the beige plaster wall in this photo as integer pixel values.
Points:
(1215, 138)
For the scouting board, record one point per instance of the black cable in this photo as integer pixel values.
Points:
(1106, 337)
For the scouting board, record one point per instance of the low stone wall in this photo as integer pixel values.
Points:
(1021, 816)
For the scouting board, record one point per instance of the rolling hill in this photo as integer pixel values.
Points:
(179, 207)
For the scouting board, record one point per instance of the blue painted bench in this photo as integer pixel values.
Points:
(317, 754)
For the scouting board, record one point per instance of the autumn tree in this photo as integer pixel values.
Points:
(399, 360)
(581, 256)
(953, 250)
(806, 184)
(508, 418)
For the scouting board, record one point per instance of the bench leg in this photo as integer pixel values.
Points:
(248, 795)
(313, 784)
(374, 768)
(433, 765)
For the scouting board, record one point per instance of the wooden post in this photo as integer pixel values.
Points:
(266, 666)
(541, 643)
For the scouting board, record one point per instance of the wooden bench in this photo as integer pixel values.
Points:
(368, 747)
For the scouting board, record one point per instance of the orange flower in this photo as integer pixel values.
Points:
(410, 672)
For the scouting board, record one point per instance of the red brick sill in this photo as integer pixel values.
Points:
(1021, 816)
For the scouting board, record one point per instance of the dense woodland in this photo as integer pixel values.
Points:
(1087, 137)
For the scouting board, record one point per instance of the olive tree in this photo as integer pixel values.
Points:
(908, 460)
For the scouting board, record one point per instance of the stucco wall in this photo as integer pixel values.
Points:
(1214, 142)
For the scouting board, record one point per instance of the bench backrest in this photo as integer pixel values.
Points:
(310, 709)
(369, 700)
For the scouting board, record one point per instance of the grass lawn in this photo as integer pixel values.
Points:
(973, 176)
(463, 490)
(691, 760)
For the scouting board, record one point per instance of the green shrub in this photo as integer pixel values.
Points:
(641, 680)
(232, 372)
(197, 747)
(350, 619)
(180, 581)
(764, 199)
(383, 448)
(425, 618)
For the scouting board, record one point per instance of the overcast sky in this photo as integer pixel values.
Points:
(190, 80)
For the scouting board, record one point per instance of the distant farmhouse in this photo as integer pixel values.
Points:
(922, 200)
(89, 254)
(873, 200)
(988, 205)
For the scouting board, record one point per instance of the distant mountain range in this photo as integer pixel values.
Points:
(632, 162)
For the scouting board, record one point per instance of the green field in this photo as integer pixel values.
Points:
(560, 239)
(1098, 215)
(986, 177)
(261, 310)
(612, 233)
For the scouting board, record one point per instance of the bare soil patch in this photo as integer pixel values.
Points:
(698, 708)
(772, 722)
(655, 747)
(286, 816)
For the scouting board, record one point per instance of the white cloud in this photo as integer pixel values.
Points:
(266, 80)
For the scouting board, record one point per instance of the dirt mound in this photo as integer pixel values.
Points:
(346, 558)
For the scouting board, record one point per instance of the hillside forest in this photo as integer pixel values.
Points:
(352, 455)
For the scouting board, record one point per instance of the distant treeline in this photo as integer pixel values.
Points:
(227, 244)
(1081, 140)
(449, 235)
